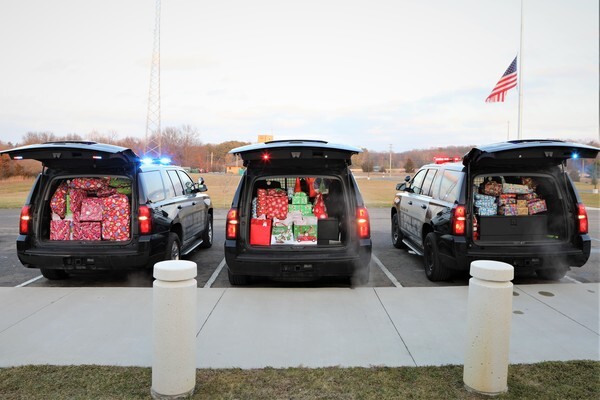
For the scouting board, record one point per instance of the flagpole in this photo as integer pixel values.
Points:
(520, 74)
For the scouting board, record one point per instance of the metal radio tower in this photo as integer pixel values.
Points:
(153, 132)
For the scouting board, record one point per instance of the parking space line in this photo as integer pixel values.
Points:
(30, 281)
(213, 277)
(387, 273)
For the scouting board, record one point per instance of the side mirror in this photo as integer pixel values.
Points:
(401, 187)
(201, 186)
(407, 178)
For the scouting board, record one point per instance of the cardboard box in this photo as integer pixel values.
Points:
(260, 232)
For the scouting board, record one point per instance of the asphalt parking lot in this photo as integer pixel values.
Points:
(389, 266)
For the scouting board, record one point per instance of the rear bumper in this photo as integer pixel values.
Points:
(292, 265)
(456, 254)
(69, 257)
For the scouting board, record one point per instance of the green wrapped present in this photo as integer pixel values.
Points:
(305, 209)
(119, 182)
(300, 198)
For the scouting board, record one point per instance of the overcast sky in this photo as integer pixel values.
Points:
(370, 73)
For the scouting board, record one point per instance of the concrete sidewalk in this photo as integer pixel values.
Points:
(255, 328)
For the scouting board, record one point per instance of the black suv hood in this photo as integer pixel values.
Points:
(540, 153)
(75, 155)
(296, 151)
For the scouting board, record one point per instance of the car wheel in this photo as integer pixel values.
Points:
(173, 251)
(397, 236)
(237, 279)
(554, 273)
(434, 269)
(54, 274)
(361, 275)
(207, 236)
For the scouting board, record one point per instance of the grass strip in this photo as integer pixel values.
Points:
(547, 380)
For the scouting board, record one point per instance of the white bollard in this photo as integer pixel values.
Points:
(174, 329)
(489, 314)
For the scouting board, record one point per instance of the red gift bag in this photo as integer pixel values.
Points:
(260, 232)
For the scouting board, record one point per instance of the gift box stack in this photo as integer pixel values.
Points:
(284, 223)
(91, 209)
(509, 199)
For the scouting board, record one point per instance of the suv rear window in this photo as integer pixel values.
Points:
(450, 186)
(152, 182)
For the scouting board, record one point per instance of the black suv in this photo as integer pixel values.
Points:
(98, 206)
(511, 202)
(297, 214)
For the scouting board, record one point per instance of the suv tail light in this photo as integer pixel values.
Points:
(145, 220)
(24, 220)
(458, 220)
(362, 222)
(232, 224)
(582, 218)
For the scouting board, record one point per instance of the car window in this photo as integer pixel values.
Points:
(450, 186)
(153, 184)
(188, 183)
(417, 182)
(176, 182)
(427, 182)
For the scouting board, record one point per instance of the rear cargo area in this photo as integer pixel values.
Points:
(87, 208)
(518, 208)
(294, 211)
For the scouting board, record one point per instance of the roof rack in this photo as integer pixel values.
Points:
(296, 141)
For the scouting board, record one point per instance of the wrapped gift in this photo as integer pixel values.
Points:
(522, 210)
(483, 200)
(304, 209)
(58, 202)
(106, 192)
(91, 209)
(76, 196)
(536, 206)
(87, 231)
(281, 231)
(305, 231)
(60, 230)
(115, 218)
(517, 189)
(521, 203)
(89, 184)
(492, 188)
(319, 209)
(487, 210)
(504, 199)
(529, 183)
(527, 197)
(272, 203)
(119, 182)
(508, 209)
(300, 198)
(260, 232)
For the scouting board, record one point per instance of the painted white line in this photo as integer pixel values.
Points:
(572, 280)
(386, 271)
(213, 277)
(30, 281)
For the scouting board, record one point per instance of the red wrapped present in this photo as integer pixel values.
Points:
(106, 192)
(89, 184)
(60, 229)
(507, 198)
(319, 209)
(58, 202)
(91, 209)
(536, 206)
(508, 209)
(76, 196)
(116, 217)
(87, 231)
(492, 188)
(260, 232)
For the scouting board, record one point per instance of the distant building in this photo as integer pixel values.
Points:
(234, 169)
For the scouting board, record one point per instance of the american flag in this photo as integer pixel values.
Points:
(507, 82)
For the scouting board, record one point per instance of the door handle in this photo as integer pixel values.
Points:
(193, 203)
(423, 206)
(410, 203)
(179, 207)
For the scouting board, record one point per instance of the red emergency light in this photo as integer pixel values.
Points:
(442, 160)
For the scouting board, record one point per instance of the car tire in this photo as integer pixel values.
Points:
(207, 236)
(54, 274)
(237, 279)
(361, 275)
(397, 237)
(173, 250)
(434, 269)
(554, 273)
